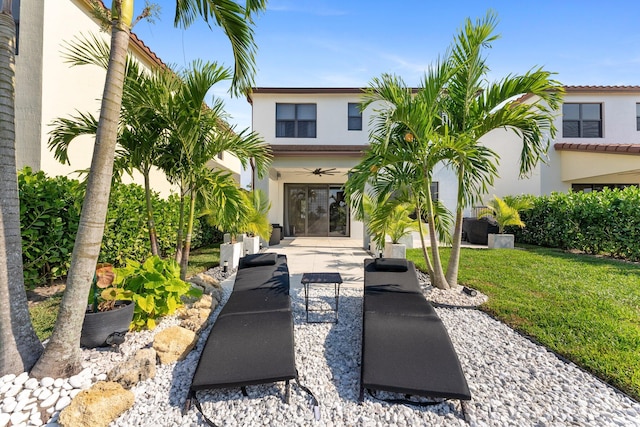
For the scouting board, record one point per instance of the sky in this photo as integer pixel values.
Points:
(331, 43)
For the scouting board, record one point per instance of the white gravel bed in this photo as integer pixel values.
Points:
(512, 380)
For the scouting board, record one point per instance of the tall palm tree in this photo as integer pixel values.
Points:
(472, 108)
(62, 355)
(196, 133)
(20, 348)
(404, 149)
(140, 133)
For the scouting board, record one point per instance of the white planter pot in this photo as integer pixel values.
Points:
(251, 245)
(407, 240)
(230, 252)
(395, 250)
(500, 241)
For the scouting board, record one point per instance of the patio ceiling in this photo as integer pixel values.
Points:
(599, 163)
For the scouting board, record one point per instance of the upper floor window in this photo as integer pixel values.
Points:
(637, 116)
(295, 120)
(354, 116)
(582, 120)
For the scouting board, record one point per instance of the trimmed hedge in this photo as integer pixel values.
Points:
(605, 222)
(49, 216)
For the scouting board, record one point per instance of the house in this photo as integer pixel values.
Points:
(318, 134)
(48, 88)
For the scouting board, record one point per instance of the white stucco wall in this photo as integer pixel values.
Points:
(48, 88)
(28, 81)
(331, 117)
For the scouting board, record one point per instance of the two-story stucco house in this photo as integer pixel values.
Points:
(318, 134)
(47, 87)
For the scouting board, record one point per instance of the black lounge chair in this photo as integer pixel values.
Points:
(405, 346)
(251, 341)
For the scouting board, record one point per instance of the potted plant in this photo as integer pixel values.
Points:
(255, 223)
(390, 217)
(505, 213)
(107, 318)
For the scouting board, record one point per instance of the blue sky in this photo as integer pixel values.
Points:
(324, 43)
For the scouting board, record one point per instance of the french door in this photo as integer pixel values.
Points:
(315, 210)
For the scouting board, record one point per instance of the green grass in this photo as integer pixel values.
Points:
(582, 307)
(43, 314)
(203, 259)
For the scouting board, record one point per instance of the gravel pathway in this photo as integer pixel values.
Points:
(512, 380)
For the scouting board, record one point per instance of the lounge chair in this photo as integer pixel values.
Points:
(405, 346)
(251, 341)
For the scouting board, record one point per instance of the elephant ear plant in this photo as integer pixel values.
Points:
(155, 287)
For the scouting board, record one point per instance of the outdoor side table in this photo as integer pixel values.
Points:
(321, 278)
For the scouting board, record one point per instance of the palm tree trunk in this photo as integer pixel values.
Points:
(184, 262)
(438, 279)
(425, 253)
(61, 357)
(20, 348)
(454, 260)
(179, 238)
(153, 236)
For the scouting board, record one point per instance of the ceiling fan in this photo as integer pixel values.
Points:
(321, 171)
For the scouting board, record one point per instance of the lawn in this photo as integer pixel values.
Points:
(43, 314)
(585, 308)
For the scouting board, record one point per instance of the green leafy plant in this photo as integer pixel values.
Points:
(504, 214)
(49, 216)
(256, 221)
(389, 217)
(154, 286)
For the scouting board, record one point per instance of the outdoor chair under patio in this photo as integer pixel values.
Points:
(251, 341)
(405, 346)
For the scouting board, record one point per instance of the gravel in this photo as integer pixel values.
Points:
(512, 380)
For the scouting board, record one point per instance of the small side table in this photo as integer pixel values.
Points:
(321, 278)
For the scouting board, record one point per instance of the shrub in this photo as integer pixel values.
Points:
(49, 217)
(154, 286)
(603, 222)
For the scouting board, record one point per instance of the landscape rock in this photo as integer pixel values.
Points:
(174, 343)
(140, 367)
(207, 283)
(97, 406)
(193, 318)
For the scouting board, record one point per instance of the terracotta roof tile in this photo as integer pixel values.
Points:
(600, 148)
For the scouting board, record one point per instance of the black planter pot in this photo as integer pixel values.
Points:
(105, 328)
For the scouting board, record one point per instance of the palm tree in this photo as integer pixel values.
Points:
(20, 348)
(62, 355)
(472, 108)
(504, 214)
(196, 133)
(140, 132)
(256, 221)
(404, 149)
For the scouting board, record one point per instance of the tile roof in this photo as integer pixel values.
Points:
(599, 148)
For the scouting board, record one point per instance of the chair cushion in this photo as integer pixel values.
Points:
(247, 349)
(412, 355)
(391, 264)
(257, 260)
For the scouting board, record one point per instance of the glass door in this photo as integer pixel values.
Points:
(338, 213)
(318, 218)
(315, 210)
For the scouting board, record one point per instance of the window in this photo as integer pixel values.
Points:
(15, 11)
(637, 116)
(582, 121)
(588, 188)
(354, 117)
(295, 120)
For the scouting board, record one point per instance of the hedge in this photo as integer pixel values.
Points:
(605, 222)
(50, 212)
